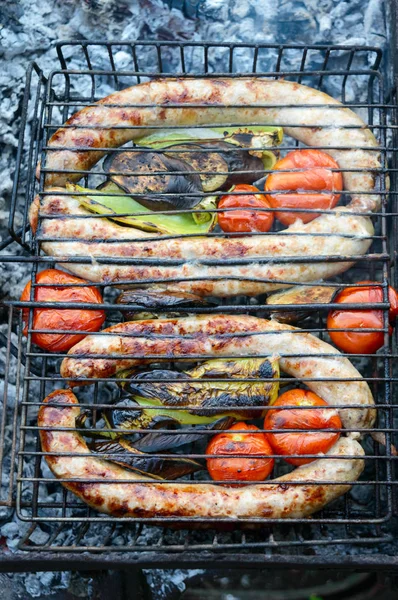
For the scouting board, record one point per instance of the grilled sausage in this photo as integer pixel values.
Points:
(324, 123)
(96, 480)
(339, 234)
(301, 355)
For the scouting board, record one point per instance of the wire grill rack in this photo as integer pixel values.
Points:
(61, 522)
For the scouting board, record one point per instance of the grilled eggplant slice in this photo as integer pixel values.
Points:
(157, 442)
(235, 165)
(209, 398)
(243, 166)
(255, 139)
(159, 181)
(298, 295)
(123, 452)
(152, 300)
(212, 166)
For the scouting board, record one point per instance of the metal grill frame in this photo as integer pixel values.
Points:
(224, 552)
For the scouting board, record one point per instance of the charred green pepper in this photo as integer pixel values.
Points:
(209, 399)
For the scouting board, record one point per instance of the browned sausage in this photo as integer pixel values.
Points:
(96, 480)
(323, 123)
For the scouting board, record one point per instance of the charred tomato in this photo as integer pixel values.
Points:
(245, 220)
(351, 340)
(58, 286)
(251, 442)
(303, 173)
(302, 441)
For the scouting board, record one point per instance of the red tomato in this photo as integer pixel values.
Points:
(308, 442)
(239, 221)
(66, 319)
(355, 342)
(315, 175)
(245, 469)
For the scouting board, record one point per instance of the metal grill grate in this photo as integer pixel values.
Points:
(365, 516)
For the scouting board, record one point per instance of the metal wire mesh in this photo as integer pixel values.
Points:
(361, 517)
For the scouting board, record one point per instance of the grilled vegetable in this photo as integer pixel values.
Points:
(226, 164)
(211, 398)
(222, 156)
(122, 452)
(301, 441)
(159, 179)
(61, 287)
(127, 415)
(352, 340)
(139, 413)
(124, 409)
(213, 166)
(297, 295)
(149, 300)
(249, 218)
(244, 468)
(255, 139)
(116, 207)
(157, 442)
(308, 176)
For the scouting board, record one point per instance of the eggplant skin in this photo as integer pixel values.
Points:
(258, 389)
(153, 300)
(127, 412)
(128, 456)
(156, 176)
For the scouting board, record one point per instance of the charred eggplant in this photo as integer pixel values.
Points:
(140, 413)
(158, 181)
(256, 139)
(157, 441)
(211, 165)
(152, 300)
(123, 452)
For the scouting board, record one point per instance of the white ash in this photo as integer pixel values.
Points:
(167, 582)
(28, 32)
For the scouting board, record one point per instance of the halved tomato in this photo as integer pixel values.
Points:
(84, 320)
(245, 220)
(248, 468)
(315, 175)
(357, 342)
(301, 441)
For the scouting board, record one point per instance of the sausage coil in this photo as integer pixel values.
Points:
(325, 123)
(210, 501)
(297, 494)
(221, 336)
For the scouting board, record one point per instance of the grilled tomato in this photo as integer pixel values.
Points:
(352, 341)
(53, 290)
(245, 220)
(315, 175)
(245, 468)
(302, 441)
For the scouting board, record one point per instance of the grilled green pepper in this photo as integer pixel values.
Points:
(121, 208)
(209, 399)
